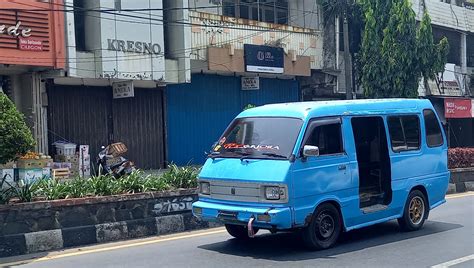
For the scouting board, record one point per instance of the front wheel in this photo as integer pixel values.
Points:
(237, 231)
(324, 228)
(415, 213)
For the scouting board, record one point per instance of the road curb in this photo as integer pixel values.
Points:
(34, 242)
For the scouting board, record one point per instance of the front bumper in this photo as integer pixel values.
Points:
(276, 217)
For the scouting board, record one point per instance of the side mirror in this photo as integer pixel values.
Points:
(309, 150)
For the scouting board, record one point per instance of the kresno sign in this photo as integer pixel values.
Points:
(133, 46)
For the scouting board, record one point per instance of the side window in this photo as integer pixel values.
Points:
(434, 137)
(328, 138)
(404, 132)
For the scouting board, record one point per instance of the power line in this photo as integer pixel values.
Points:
(162, 20)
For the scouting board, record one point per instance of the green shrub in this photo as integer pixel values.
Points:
(133, 183)
(104, 185)
(181, 177)
(154, 184)
(15, 137)
(26, 191)
(52, 189)
(79, 187)
(6, 193)
(174, 178)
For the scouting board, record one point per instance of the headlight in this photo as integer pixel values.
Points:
(204, 188)
(275, 193)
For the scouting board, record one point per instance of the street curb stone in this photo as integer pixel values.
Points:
(33, 242)
(43, 241)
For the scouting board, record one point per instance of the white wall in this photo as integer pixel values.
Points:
(139, 26)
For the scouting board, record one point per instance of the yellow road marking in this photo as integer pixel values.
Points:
(452, 196)
(89, 251)
(159, 240)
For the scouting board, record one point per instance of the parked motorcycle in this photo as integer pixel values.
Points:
(110, 161)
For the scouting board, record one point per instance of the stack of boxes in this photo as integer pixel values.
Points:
(77, 162)
(28, 169)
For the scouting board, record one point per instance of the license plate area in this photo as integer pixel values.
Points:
(227, 215)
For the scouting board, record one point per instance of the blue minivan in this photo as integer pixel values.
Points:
(322, 168)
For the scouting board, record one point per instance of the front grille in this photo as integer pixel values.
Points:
(235, 191)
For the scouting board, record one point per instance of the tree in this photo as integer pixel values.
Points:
(15, 137)
(395, 53)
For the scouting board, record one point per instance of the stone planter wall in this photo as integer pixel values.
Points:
(49, 225)
(462, 180)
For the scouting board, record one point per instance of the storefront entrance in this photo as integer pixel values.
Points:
(89, 115)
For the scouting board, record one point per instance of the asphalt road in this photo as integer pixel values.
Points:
(447, 240)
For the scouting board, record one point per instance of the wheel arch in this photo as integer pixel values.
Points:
(336, 204)
(422, 189)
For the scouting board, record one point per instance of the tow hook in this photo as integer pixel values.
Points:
(250, 230)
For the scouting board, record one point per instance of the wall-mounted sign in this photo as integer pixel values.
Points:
(264, 59)
(30, 44)
(458, 108)
(15, 30)
(133, 46)
(250, 83)
(123, 89)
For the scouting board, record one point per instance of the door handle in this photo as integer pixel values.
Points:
(342, 167)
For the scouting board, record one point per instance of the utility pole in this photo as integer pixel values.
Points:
(347, 65)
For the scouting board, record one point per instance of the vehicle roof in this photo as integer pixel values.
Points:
(312, 109)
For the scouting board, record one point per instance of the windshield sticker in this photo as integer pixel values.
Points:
(217, 148)
(248, 146)
(222, 141)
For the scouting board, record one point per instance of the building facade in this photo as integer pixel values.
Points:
(452, 93)
(31, 49)
(237, 53)
(116, 73)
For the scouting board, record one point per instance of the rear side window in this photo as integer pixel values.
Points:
(434, 137)
(404, 132)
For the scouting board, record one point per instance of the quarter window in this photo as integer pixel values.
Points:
(434, 137)
(328, 138)
(404, 132)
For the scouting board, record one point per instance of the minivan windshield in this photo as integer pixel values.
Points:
(259, 137)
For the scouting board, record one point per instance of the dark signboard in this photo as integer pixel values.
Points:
(264, 59)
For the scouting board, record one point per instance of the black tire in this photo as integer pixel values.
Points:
(324, 228)
(238, 231)
(414, 216)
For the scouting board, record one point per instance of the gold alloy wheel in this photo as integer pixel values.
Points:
(417, 210)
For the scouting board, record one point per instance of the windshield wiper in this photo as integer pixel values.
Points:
(275, 155)
(213, 155)
(243, 155)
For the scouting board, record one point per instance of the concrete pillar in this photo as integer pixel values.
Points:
(29, 95)
(463, 61)
(463, 53)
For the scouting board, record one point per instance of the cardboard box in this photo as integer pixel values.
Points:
(10, 176)
(58, 165)
(8, 165)
(30, 175)
(67, 158)
(34, 163)
(83, 150)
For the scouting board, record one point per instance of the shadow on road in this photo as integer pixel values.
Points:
(288, 246)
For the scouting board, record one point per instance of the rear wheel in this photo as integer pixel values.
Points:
(415, 213)
(324, 229)
(238, 231)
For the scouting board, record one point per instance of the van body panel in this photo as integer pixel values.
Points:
(335, 178)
